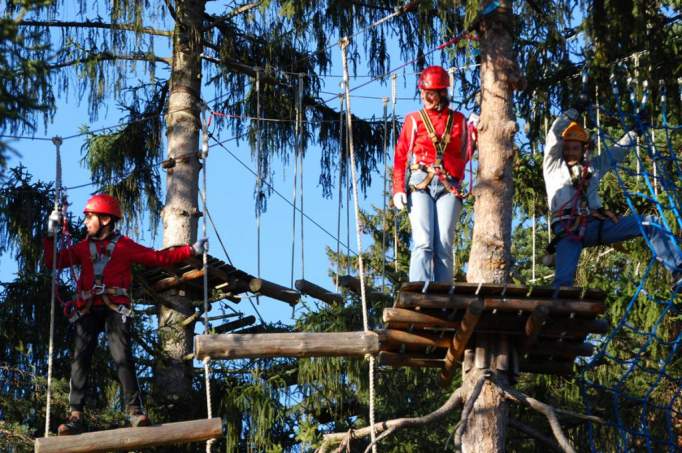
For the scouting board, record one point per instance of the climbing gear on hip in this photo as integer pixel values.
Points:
(450, 183)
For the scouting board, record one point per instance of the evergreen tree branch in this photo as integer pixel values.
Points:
(453, 402)
(106, 56)
(95, 24)
(216, 20)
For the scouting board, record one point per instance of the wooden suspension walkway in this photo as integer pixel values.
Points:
(544, 330)
(224, 280)
(133, 438)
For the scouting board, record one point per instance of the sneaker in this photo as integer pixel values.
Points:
(139, 419)
(73, 426)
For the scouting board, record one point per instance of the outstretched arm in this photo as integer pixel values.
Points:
(149, 257)
(615, 154)
(553, 142)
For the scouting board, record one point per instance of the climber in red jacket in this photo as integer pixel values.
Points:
(105, 258)
(436, 140)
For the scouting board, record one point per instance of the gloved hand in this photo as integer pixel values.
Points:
(400, 200)
(54, 223)
(201, 246)
(473, 119)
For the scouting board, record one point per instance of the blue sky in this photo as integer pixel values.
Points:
(230, 188)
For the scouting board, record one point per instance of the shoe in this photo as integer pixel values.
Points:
(73, 426)
(139, 419)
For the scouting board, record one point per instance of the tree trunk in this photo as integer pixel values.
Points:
(173, 375)
(489, 258)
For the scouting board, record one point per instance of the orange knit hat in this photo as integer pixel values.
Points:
(575, 131)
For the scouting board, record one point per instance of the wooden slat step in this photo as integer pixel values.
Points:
(133, 438)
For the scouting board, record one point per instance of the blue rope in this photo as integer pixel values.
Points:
(640, 421)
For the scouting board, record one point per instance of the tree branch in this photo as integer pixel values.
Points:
(111, 57)
(544, 409)
(453, 402)
(235, 12)
(535, 434)
(468, 407)
(95, 24)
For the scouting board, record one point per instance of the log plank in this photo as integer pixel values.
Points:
(294, 344)
(318, 292)
(133, 438)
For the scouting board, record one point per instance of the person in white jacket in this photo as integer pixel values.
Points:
(572, 175)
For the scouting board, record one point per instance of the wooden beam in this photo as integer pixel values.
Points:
(318, 292)
(236, 324)
(396, 338)
(405, 316)
(295, 344)
(459, 301)
(562, 349)
(461, 338)
(536, 321)
(279, 292)
(133, 438)
(397, 360)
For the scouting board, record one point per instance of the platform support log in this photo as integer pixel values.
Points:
(461, 338)
(269, 289)
(133, 438)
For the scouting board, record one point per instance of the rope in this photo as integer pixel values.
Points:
(358, 235)
(385, 210)
(394, 131)
(259, 178)
(204, 231)
(57, 141)
(342, 158)
(300, 152)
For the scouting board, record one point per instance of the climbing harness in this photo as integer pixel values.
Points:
(438, 170)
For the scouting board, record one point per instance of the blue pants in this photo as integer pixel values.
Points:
(568, 249)
(433, 215)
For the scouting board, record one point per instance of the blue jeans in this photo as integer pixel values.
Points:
(568, 249)
(433, 215)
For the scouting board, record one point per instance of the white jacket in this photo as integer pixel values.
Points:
(561, 192)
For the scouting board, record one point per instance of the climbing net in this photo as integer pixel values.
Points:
(634, 378)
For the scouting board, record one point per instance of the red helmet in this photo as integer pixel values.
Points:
(434, 78)
(102, 203)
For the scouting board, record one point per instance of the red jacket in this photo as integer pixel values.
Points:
(415, 140)
(117, 273)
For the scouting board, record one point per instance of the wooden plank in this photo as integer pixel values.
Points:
(491, 290)
(405, 316)
(461, 338)
(133, 438)
(275, 291)
(457, 302)
(294, 344)
(318, 292)
(563, 349)
(502, 324)
(236, 324)
(399, 360)
(394, 338)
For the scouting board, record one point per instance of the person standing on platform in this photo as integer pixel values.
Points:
(436, 142)
(105, 258)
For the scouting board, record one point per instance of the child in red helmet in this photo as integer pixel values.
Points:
(435, 140)
(105, 258)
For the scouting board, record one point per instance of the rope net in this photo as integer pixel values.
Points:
(634, 379)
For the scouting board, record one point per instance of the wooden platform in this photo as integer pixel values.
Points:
(544, 329)
(125, 439)
(534, 330)
(225, 281)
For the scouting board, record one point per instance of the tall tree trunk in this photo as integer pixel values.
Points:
(173, 375)
(489, 259)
